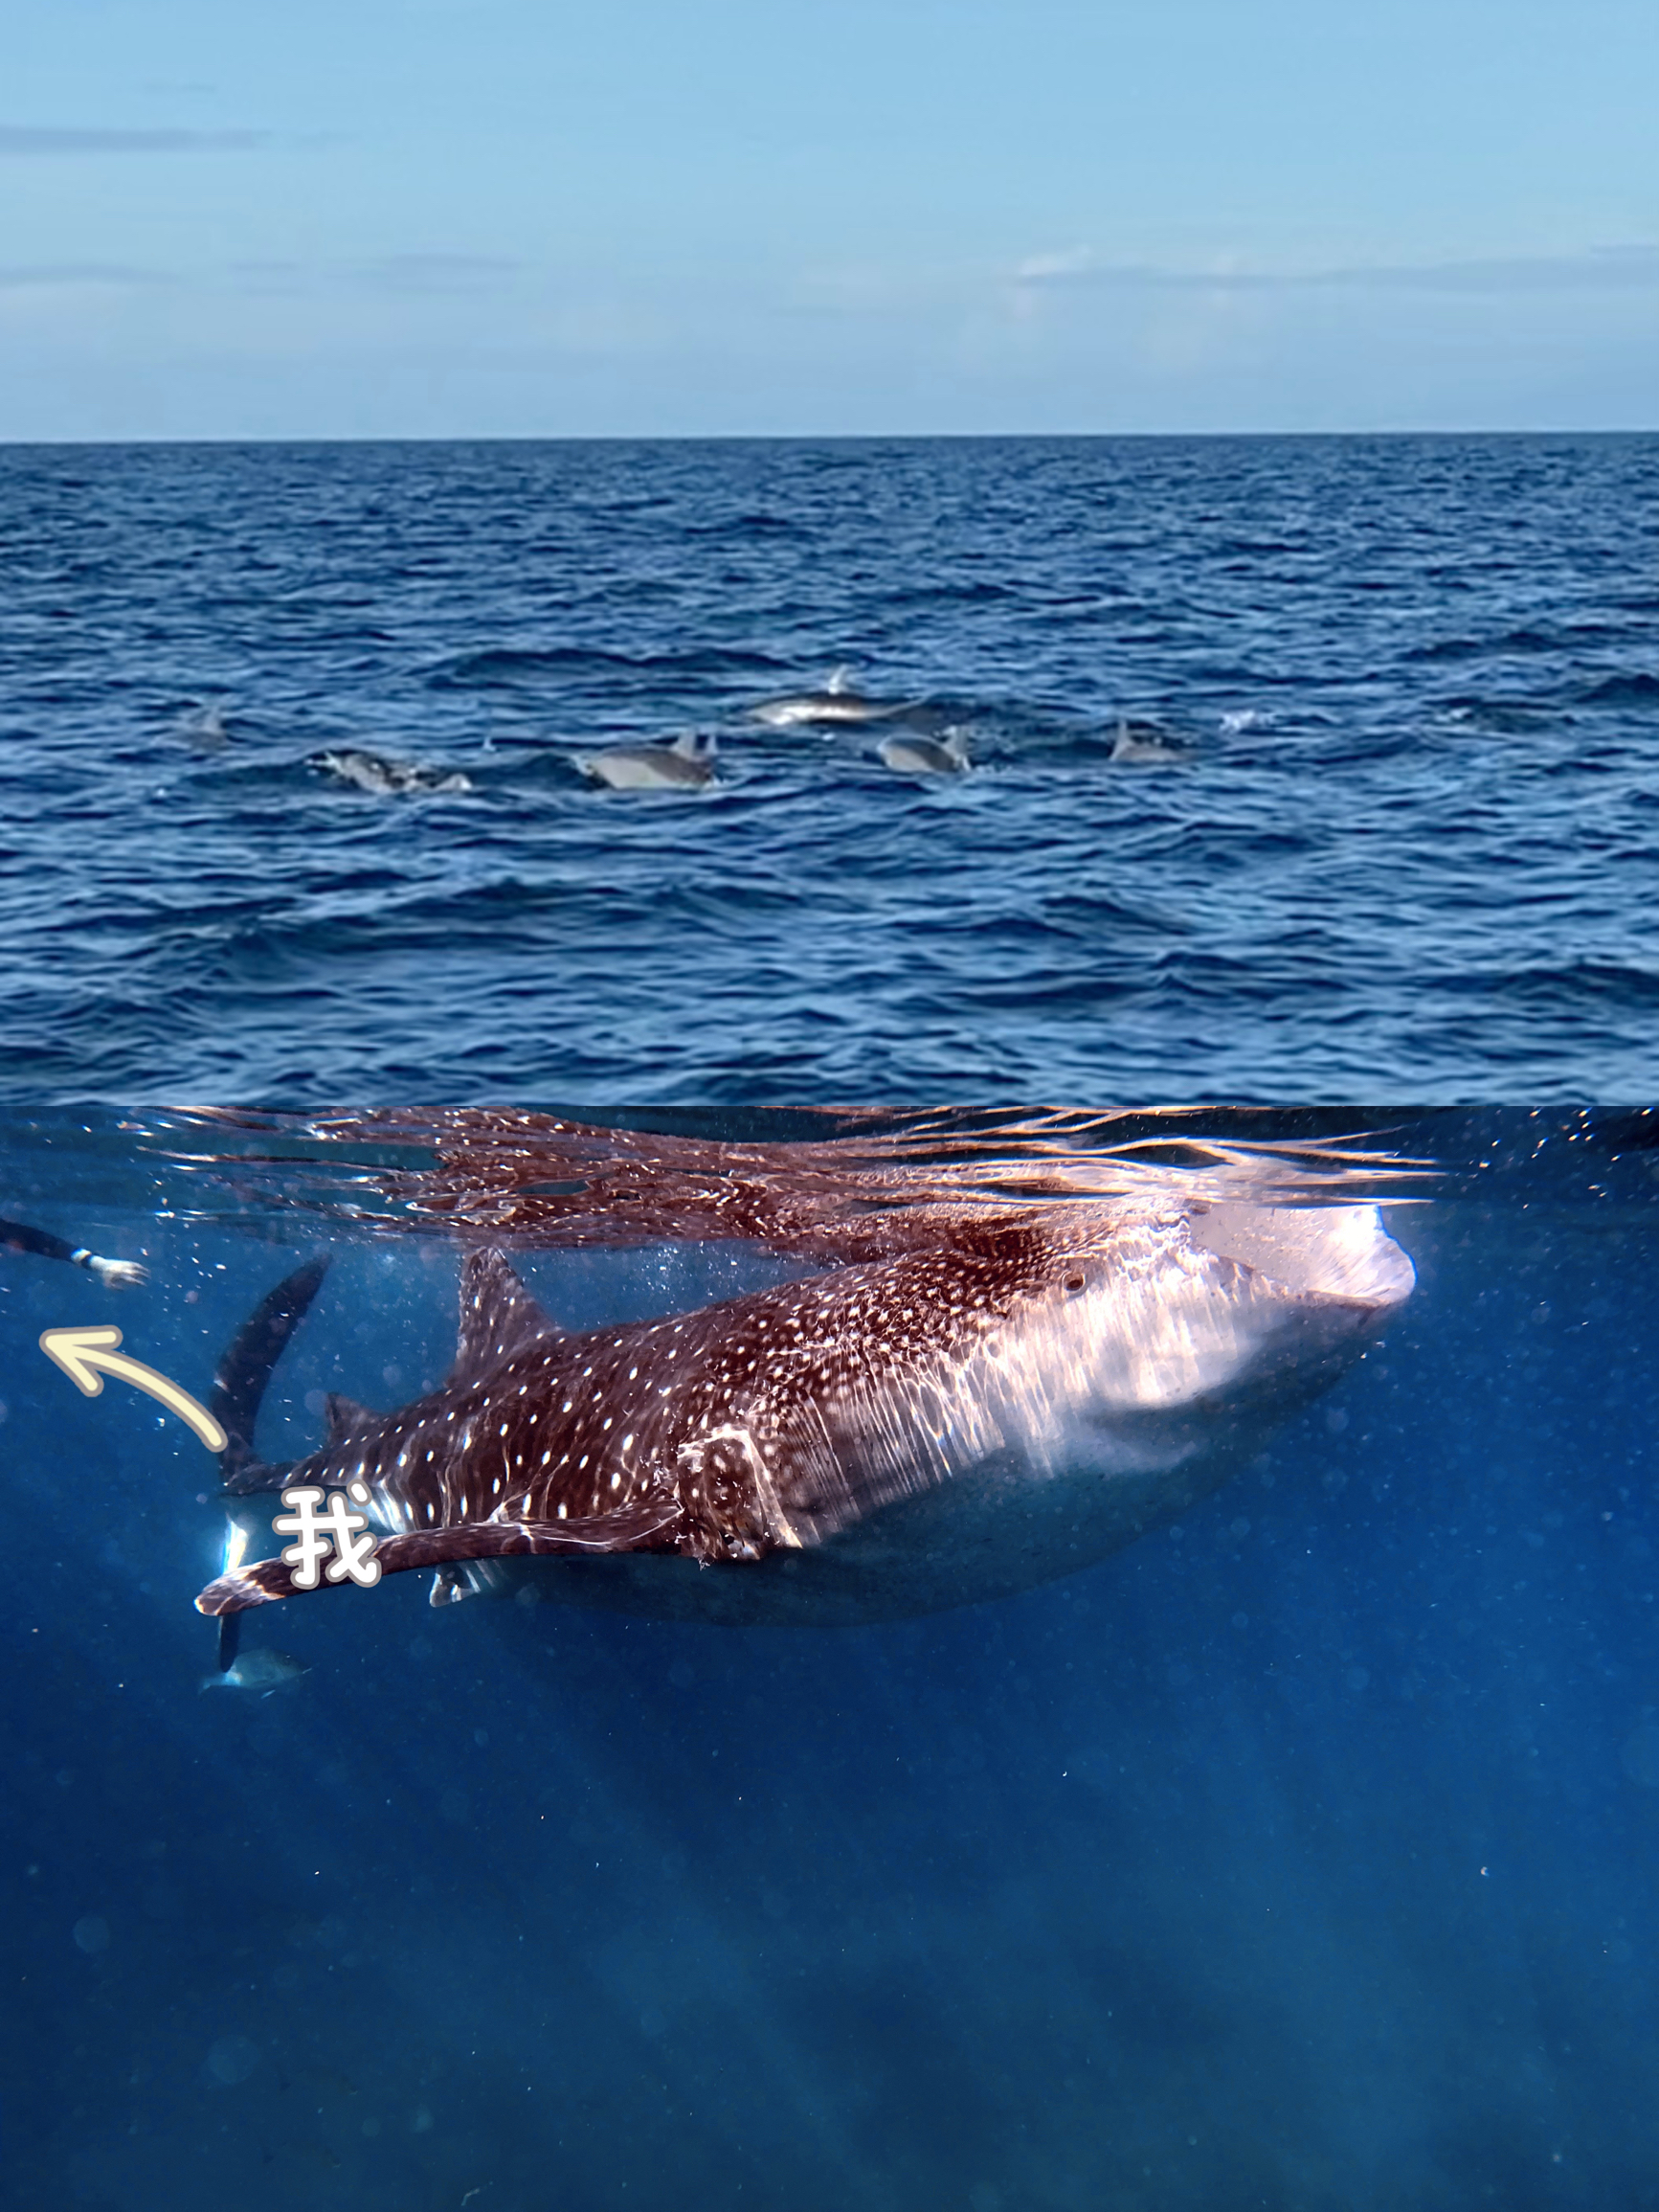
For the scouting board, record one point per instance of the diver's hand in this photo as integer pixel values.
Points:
(115, 1274)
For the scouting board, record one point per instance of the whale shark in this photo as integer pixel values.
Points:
(963, 1420)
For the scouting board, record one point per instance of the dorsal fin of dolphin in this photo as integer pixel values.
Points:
(244, 1371)
(695, 745)
(498, 1317)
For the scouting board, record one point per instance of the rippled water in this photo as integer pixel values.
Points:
(1298, 1853)
(1405, 844)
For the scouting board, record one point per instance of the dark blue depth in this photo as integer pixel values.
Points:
(1299, 1859)
(1411, 850)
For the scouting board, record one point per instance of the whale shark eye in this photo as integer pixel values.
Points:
(1074, 1283)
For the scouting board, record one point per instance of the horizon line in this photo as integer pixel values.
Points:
(76, 443)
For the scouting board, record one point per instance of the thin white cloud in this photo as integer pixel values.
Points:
(436, 272)
(29, 277)
(1069, 261)
(1632, 267)
(33, 139)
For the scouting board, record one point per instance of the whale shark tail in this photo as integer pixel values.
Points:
(239, 1386)
(499, 1318)
(245, 1370)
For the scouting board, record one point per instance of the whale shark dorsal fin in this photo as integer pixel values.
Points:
(344, 1416)
(498, 1317)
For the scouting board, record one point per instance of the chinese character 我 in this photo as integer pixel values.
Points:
(338, 1531)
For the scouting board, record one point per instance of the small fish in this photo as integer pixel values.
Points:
(914, 755)
(264, 1671)
(384, 778)
(688, 760)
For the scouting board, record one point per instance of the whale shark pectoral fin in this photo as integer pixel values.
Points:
(648, 1527)
(498, 1317)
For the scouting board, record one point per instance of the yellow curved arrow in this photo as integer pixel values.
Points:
(87, 1355)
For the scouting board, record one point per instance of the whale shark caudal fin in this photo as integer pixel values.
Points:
(245, 1370)
(643, 1528)
(498, 1318)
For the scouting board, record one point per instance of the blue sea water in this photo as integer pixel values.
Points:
(1405, 843)
(1300, 1855)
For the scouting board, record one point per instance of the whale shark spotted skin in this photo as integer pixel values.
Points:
(880, 1440)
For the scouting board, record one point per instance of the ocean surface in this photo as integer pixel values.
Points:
(1299, 1856)
(1387, 824)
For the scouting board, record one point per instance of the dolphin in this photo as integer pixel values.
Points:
(1144, 745)
(1006, 1405)
(689, 760)
(913, 756)
(375, 773)
(837, 703)
(203, 727)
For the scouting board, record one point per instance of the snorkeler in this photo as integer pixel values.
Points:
(113, 1273)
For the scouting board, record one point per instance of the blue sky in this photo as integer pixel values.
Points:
(526, 217)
